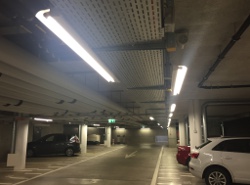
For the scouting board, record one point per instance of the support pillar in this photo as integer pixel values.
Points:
(21, 144)
(195, 123)
(182, 133)
(108, 136)
(172, 139)
(84, 138)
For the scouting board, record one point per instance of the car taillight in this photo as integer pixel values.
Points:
(194, 155)
(75, 139)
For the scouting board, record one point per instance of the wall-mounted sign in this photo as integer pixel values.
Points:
(111, 120)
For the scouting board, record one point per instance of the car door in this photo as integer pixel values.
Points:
(44, 145)
(236, 157)
(59, 143)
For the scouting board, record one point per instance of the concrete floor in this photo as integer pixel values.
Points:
(117, 165)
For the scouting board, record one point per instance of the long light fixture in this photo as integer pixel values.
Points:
(170, 115)
(172, 107)
(151, 118)
(169, 121)
(43, 119)
(181, 73)
(82, 51)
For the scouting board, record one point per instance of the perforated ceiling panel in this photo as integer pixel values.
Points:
(112, 22)
(136, 68)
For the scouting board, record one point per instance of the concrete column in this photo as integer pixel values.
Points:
(84, 137)
(172, 139)
(182, 133)
(21, 144)
(186, 125)
(195, 123)
(108, 136)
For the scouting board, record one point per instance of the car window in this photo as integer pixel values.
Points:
(203, 144)
(234, 145)
(50, 138)
(60, 138)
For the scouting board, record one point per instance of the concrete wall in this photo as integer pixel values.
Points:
(5, 140)
(172, 137)
(137, 136)
(46, 128)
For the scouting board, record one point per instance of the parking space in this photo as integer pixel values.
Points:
(103, 165)
(172, 173)
(40, 166)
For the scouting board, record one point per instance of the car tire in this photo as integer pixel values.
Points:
(69, 152)
(30, 153)
(216, 175)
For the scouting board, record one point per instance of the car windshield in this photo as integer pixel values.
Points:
(203, 144)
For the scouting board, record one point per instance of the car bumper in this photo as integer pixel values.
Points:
(194, 168)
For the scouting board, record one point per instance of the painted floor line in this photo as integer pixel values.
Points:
(33, 173)
(64, 167)
(169, 178)
(154, 178)
(13, 177)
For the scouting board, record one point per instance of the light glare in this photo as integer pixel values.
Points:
(169, 121)
(181, 73)
(172, 108)
(43, 119)
(58, 30)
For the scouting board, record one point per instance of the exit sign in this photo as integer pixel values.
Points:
(111, 120)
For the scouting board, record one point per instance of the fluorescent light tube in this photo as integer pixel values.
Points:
(181, 73)
(172, 107)
(59, 31)
(170, 115)
(169, 121)
(43, 119)
(151, 118)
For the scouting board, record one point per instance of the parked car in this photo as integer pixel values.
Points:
(182, 155)
(52, 144)
(222, 161)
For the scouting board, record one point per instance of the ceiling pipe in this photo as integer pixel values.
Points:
(9, 102)
(27, 111)
(19, 85)
(19, 104)
(32, 99)
(222, 55)
(59, 83)
(38, 98)
(33, 80)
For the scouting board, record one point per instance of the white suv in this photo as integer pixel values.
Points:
(222, 161)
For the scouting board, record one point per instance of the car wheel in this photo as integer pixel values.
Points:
(69, 152)
(30, 153)
(217, 176)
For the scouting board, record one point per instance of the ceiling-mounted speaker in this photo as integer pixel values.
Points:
(182, 40)
(182, 37)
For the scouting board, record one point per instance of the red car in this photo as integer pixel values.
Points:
(182, 155)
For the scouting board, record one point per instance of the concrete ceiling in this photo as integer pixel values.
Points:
(41, 76)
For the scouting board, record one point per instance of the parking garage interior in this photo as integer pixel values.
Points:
(129, 118)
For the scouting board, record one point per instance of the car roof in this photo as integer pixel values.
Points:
(226, 138)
